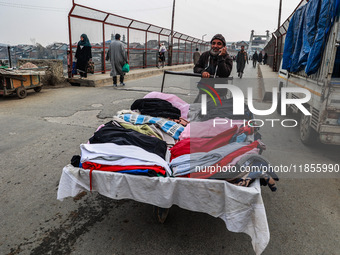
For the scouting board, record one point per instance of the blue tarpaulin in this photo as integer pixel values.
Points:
(307, 35)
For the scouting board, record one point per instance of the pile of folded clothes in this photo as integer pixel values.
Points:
(159, 137)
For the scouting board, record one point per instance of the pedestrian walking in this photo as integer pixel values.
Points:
(265, 58)
(161, 55)
(196, 56)
(255, 58)
(83, 55)
(118, 58)
(241, 60)
(260, 58)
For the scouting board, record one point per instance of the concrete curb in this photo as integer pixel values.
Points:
(268, 80)
(98, 80)
(261, 83)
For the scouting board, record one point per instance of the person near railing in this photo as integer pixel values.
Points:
(265, 58)
(161, 55)
(196, 56)
(83, 55)
(260, 58)
(118, 58)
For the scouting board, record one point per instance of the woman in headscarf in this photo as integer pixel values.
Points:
(83, 55)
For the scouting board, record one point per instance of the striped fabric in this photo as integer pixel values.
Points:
(170, 127)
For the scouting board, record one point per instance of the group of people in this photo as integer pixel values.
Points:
(213, 63)
(259, 58)
(116, 54)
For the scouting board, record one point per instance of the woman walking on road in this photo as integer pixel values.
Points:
(83, 55)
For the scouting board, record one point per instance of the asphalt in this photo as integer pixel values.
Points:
(41, 133)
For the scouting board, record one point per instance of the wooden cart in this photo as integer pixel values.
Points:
(19, 81)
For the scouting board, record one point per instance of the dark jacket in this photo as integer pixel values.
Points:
(224, 64)
(241, 60)
(83, 55)
(114, 133)
(255, 56)
(260, 57)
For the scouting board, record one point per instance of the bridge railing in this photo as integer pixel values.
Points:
(140, 39)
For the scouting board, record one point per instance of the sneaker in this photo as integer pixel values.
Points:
(114, 85)
(122, 84)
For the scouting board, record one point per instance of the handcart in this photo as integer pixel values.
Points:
(241, 208)
(19, 81)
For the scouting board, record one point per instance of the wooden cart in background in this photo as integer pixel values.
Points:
(19, 81)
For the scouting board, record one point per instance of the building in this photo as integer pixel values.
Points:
(257, 42)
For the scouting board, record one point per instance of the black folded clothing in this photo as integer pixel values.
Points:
(156, 107)
(112, 133)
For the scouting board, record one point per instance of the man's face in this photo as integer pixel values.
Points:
(216, 45)
(242, 47)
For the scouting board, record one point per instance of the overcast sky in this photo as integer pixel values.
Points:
(45, 21)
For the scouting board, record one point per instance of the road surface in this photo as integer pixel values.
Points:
(41, 133)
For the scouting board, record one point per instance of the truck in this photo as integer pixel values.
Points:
(323, 124)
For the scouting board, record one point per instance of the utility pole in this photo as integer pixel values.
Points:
(275, 60)
(279, 21)
(172, 34)
(9, 56)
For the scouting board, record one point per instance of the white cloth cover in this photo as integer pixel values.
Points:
(241, 208)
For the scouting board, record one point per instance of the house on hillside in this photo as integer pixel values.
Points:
(58, 50)
(239, 44)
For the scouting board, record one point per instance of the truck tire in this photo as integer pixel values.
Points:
(308, 135)
(278, 108)
(289, 110)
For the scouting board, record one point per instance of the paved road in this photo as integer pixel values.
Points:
(41, 133)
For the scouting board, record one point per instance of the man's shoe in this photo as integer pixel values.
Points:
(114, 85)
(122, 83)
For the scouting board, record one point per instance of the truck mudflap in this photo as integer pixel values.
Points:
(330, 134)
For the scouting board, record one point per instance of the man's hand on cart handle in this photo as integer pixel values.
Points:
(205, 75)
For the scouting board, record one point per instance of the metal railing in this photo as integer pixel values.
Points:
(274, 48)
(141, 39)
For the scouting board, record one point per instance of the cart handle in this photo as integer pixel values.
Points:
(184, 74)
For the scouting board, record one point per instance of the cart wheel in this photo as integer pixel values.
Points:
(21, 92)
(37, 89)
(160, 213)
